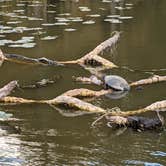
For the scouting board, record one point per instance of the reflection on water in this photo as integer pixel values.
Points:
(65, 30)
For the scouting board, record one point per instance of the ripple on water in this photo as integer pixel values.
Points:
(158, 153)
(49, 38)
(69, 29)
(10, 151)
(84, 9)
(89, 22)
(138, 162)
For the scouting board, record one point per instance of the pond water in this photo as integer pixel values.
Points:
(67, 30)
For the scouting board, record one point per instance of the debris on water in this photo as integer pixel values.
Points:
(113, 21)
(125, 17)
(93, 15)
(61, 19)
(61, 23)
(34, 19)
(51, 11)
(75, 19)
(84, 9)
(25, 45)
(106, 1)
(48, 24)
(64, 14)
(113, 16)
(89, 22)
(14, 22)
(49, 38)
(69, 29)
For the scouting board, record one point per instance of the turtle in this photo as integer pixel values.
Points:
(114, 82)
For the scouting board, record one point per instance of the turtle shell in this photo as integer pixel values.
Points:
(116, 83)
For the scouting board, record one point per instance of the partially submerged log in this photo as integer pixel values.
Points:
(147, 81)
(26, 60)
(151, 80)
(137, 123)
(7, 89)
(82, 92)
(92, 58)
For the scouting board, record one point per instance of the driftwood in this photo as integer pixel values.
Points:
(74, 102)
(96, 81)
(26, 60)
(151, 80)
(7, 89)
(92, 58)
(137, 123)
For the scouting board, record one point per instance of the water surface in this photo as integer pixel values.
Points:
(66, 30)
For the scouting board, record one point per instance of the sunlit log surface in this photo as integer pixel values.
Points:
(151, 80)
(7, 89)
(92, 58)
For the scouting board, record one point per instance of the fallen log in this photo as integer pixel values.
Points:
(150, 80)
(26, 60)
(7, 89)
(137, 123)
(147, 81)
(92, 58)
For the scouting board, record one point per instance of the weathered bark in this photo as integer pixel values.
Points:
(6, 90)
(151, 80)
(90, 58)
(74, 102)
(135, 122)
(26, 60)
(86, 93)
(93, 58)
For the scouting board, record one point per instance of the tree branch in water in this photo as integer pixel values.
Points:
(93, 58)
(7, 89)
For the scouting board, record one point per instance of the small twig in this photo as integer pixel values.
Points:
(115, 109)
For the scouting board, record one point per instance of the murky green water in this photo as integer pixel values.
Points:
(66, 30)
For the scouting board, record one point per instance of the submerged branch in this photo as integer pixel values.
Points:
(26, 60)
(93, 58)
(7, 89)
(151, 80)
